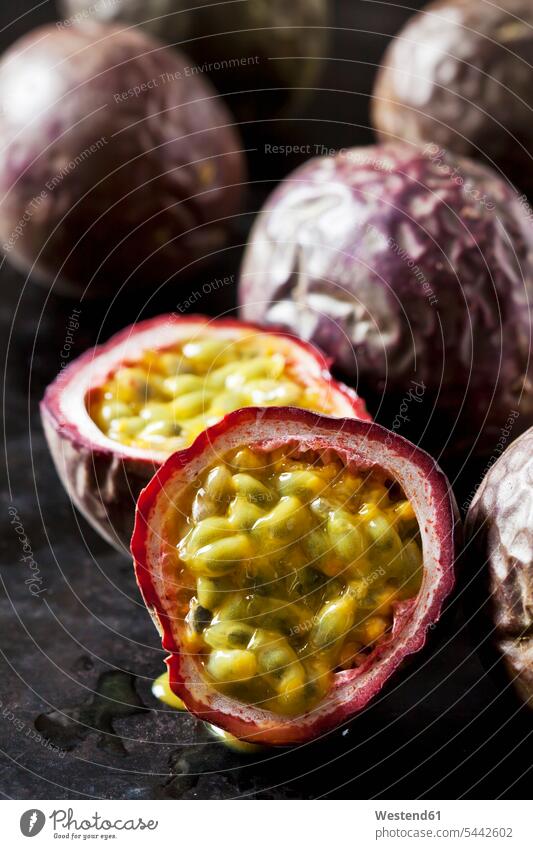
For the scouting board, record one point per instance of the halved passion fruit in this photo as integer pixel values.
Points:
(291, 561)
(115, 414)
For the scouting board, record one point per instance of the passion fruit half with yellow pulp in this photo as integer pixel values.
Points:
(116, 413)
(291, 561)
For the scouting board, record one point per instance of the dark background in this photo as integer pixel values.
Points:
(78, 660)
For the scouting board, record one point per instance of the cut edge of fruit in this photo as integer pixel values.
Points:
(64, 406)
(424, 486)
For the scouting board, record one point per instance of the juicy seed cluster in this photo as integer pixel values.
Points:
(289, 565)
(167, 397)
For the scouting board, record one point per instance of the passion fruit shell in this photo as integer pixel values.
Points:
(499, 529)
(264, 53)
(406, 267)
(104, 477)
(116, 169)
(458, 75)
(364, 444)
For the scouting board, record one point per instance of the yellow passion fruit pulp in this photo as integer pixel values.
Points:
(286, 568)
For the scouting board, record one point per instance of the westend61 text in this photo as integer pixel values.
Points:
(407, 815)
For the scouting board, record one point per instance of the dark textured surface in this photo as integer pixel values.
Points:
(79, 650)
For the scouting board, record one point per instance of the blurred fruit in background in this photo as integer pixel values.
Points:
(115, 165)
(459, 75)
(500, 534)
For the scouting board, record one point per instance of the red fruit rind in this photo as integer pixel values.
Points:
(104, 477)
(362, 443)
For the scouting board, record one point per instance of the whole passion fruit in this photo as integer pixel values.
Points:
(117, 412)
(459, 75)
(406, 266)
(115, 166)
(246, 48)
(500, 531)
(291, 562)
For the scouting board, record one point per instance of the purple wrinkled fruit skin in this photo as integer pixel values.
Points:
(459, 75)
(500, 530)
(404, 265)
(99, 183)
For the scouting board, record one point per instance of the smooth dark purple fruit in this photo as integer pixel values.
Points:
(459, 75)
(115, 167)
(500, 532)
